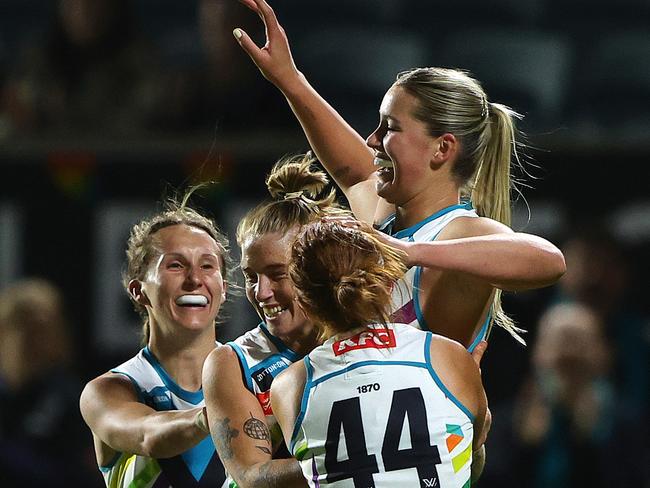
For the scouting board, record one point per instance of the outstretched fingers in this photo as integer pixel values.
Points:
(248, 45)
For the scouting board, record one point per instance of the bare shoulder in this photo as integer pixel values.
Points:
(221, 365)
(221, 356)
(471, 227)
(109, 386)
(109, 389)
(457, 370)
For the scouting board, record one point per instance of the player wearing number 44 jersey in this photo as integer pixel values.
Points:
(378, 404)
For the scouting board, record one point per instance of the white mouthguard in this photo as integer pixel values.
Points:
(192, 300)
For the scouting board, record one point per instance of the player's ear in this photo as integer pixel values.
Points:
(137, 293)
(446, 148)
(223, 291)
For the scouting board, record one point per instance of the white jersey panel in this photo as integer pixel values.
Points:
(405, 299)
(197, 467)
(375, 414)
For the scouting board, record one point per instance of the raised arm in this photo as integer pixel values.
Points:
(119, 423)
(238, 427)
(490, 251)
(338, 146)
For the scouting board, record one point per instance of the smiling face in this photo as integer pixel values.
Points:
(265, 263)
(403, 148)
(183, 286)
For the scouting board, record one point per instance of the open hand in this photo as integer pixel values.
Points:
(274, 59)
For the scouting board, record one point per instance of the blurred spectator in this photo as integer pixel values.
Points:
(91, 73)
(599, 274)
(216, 85)
(42, 439)
(567, 427)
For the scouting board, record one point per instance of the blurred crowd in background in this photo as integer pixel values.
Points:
(107, 105)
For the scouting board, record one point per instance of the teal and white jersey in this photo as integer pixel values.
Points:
(406, 302)
(374, 413)
(197, 467)
(262, 357)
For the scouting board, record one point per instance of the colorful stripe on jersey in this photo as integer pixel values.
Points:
(199, 466)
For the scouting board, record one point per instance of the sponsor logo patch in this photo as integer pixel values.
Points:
(375, 338)
(265, 401)
(264, 376)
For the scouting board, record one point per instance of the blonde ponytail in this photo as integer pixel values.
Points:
(451, 101)
(490, 191)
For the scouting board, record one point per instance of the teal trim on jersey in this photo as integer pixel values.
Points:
(483, 332)
(135, 384)
(383, 225)
(367, 363)
(409, 231)
(246, 372)
(436, 378)
(273, 359)
(422, 323)
(303, 403)
(193, 397)
(106, 468)
(198, 457)
(279, 345)
(416, 299)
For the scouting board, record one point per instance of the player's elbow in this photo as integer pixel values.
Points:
(158, 446)
(153, 447)
(555, 265)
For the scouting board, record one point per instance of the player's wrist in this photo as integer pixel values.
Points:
(201, 421)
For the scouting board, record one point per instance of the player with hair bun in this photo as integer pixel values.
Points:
(237, 377)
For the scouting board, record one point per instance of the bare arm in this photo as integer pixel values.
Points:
(493, 253)
(110, 407)
(238, 427)
(286, 395)
(338, 146)
(459, 372)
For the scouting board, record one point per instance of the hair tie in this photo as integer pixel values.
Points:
(292, 195)
(484, 107)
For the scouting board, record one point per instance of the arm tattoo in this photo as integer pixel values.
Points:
(223, 437)
(256, 429)
(265, 450)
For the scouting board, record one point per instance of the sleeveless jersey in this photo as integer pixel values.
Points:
(262, 357)
(405, 300)
(197, 467)
(375, 414)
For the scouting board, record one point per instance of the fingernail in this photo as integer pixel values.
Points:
(237, 33)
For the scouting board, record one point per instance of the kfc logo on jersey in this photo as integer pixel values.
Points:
(265, 401)
(374, 337)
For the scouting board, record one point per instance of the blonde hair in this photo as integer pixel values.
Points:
(141, 250)
(295, 187)
(451, 101)
(344, 276)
